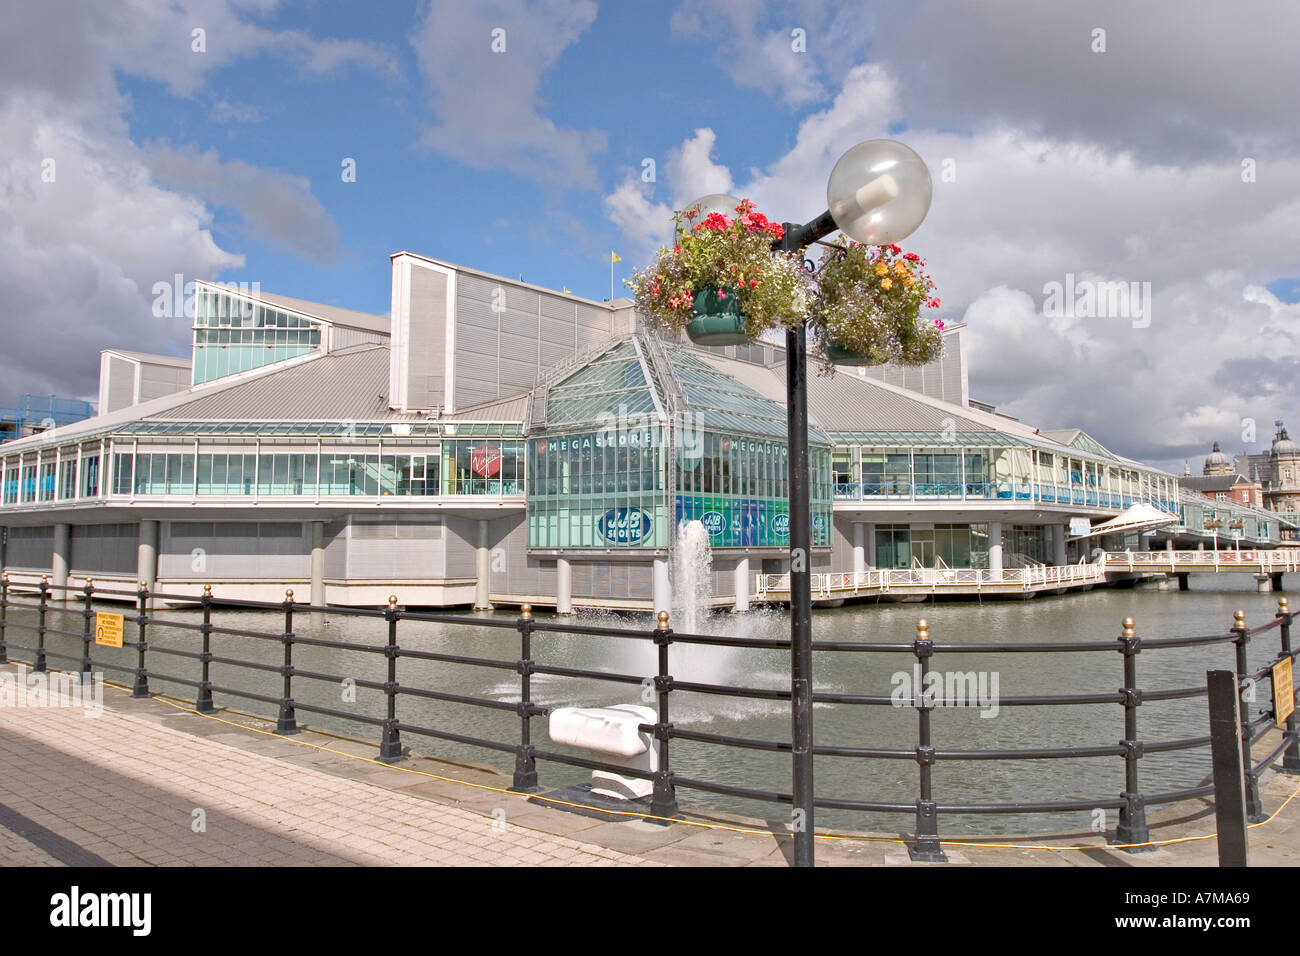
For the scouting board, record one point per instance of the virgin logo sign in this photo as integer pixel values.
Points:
(485, 461)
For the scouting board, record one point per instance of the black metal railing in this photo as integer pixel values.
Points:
(39, 598)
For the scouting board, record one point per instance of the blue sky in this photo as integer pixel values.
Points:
(1108, 142)
(408, 196)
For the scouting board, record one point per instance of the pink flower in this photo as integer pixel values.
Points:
(721, 294)
(938, 324)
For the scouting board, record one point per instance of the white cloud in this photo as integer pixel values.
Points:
(276, 206)
(1026, 209)
(79, 256)
(487, 104)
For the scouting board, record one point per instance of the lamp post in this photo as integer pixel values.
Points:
(878, 193)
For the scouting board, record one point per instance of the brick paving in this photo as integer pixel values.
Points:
(133, 792)
(122, 788)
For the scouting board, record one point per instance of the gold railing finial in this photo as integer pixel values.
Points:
(526, 611)
(1282, 606)
(1238, 618)
(663, 620)
(922, 629)
(392, 602)
(1130, 627)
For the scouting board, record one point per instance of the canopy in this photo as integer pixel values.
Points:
(1135, 518)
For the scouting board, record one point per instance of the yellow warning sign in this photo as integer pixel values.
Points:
(1283, 691)
(108, 629)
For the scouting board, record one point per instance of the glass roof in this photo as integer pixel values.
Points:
(610, 387)
(717, 401)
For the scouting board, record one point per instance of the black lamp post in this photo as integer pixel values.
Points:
(878, 193)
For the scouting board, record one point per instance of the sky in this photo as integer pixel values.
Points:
(298, 145)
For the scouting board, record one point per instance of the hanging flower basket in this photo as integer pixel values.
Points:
(721, 283)
(868, 307)
(718, 319)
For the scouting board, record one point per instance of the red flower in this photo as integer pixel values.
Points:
(938, 324)
(692, 213)
(775, 230)
(894, 249)
(677, 249)
(721, 294)
(911, 257)
(933, 303)
(716, 220)
(753, 283)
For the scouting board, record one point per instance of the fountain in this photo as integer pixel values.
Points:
(692, 577)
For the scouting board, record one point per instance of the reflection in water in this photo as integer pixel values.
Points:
(1093, 616)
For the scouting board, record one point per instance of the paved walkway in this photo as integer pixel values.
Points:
(148, 783)
(121, 790)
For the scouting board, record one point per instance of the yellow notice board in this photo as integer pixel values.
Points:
(108, 629)
(1283, 691)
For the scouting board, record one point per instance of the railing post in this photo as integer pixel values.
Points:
(525, 765)
(926, 848)
(1132, 826)
(663, 801)
(141, 686)
(88, 629)
(287, 722)
(1254, 804)
(390, 747)
(204, 703)
(39, 666)
(1290, 757)
(4, 615)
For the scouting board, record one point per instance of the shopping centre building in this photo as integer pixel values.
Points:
(497, 443)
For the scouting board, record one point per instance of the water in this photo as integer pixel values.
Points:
(1091, 616)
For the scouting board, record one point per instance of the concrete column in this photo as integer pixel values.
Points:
(317, 571)
(870, 544)
(1262, 583)
(663, 591)
(482, 569)
(742, 584)
(563, 586)
(995, 550)
(59, 563)
(146, 562)
(1169, 544)
(859, 551)
(1058, 542)
(1163, 583)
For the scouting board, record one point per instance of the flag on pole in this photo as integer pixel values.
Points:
(566, 291)
(613, 258)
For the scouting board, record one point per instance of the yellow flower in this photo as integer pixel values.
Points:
(910, 281)
(886, 283)
(900, 267)
(881, 268)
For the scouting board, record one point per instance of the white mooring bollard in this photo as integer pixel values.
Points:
(612, 734)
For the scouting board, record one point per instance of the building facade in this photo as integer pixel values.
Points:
(493, 442)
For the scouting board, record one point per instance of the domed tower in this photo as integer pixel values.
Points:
(1216, 463)
(1284, 470)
